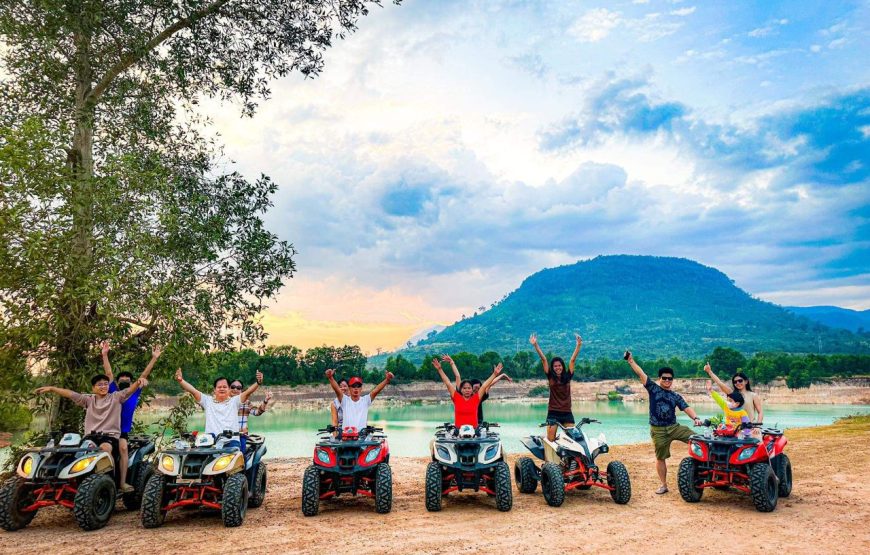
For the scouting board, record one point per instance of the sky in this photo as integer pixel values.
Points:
(450, 149)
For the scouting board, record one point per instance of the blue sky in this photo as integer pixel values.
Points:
(450, 149)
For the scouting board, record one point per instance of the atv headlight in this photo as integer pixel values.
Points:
(746, 453)
(82, 464)
(25, 468)
(443, 452)
(322, 456)
(372, 455)
(696, 450)
(222, 463)
(491, 452)
(167, 462)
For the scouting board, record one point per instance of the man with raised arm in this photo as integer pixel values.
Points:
(663, 404)
(129, 406)
(355, 406)
(221, 409)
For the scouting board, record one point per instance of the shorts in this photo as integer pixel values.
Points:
(662, 436)
(562, 417)
(125, 435)
(99, 439)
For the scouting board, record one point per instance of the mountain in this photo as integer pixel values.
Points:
(424, 333)
(835, 317)
(655, 306)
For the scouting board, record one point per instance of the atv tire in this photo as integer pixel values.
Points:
(552, 484)
(763, 486)
(525, 475)
(383, 488)
(782, 466)
(311, 491)
(234, 503)
(133, 499)
(434, 485)
(504, 498)
(94, 502)
(686, 478)
(618, 479)
(12, 500)
(258, 496)
(151, 512)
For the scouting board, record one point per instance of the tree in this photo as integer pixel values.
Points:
(726, 361)
(116, 220)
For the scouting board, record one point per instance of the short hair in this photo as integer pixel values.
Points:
(737, 397)
(666, 370)
(98, 378)
(342, 380)
(475, 382)
(241, 383)
(217, 381)
(125, 374)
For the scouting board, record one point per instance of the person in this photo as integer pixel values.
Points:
(559, 381)
(751, 400)
(221, 408)
(245, 410)
(354, 406)
(122, 382)
(475, 384)
(465, 400)
(663, 404)
(336, 414)
(102, 410)
(732, 409)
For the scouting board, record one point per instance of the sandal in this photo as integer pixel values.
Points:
(661, 490)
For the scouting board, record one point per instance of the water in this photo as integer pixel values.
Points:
(410, 428)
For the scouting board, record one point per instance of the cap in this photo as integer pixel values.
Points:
(356, 380)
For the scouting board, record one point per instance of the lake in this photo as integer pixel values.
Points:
(410, 427)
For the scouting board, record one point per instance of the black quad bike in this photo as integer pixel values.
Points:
(74, 473)
(468, 459)
(201, 471)
(723, 460)
(577, 469)
(355, 462)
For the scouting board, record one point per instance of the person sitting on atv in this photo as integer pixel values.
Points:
(122, 382)
(732, 408)
(663, 404)
(221, 409)
(475, 384)
(245, 410)
(465, 400)
(559, 381)
(354, 406)
(336, 414)
(751, 401)
(102, 410)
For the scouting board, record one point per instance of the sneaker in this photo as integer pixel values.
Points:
(127, 488)
(661, 490)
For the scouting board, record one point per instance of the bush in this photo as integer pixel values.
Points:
(539, 391)
(14, 417)
(614, 396)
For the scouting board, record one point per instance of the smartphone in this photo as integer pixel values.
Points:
(626, 355)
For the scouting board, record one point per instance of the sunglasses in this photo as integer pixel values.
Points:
(667, 379)
(357, 385)
(739, 380)
(238, 387)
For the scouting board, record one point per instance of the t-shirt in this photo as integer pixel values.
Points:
(560, 393)
(733, 417)
(355, 414)
(127, 408)
(480, 407)
(102, 414)
(338, 412)
(663, 404)
(220, 416)
(465, 410)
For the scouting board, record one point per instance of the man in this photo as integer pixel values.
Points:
(355, 407)
(102, 410)
(221, 408)
(663, 426)
(245, 409)
(129, 406)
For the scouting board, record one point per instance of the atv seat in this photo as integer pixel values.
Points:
(771, 432)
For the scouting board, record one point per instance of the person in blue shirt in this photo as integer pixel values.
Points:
(123, 381)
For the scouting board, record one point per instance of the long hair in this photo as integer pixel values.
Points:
(564, 377)
(745, 381)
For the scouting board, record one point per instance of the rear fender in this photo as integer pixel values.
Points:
(533, 444)
(779, 445)
(139, 455)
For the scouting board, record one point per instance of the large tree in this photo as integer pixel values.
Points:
(116, 217)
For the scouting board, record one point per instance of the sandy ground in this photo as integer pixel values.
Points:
(828, 511)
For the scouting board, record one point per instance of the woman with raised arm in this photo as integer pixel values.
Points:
(740, 383)
(559, 381)
(465, 399)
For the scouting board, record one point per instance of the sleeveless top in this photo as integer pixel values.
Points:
(749, 405)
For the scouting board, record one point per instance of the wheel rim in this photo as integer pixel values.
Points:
(771, 487)
(103, 501)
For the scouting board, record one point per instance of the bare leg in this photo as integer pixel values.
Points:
(662, 469)
(122, 444)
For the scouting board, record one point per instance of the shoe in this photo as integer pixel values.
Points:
(127, 488)
(661, 490)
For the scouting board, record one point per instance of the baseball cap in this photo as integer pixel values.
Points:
(356, 380)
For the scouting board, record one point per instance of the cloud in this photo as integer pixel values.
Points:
(682, 12)
(595, 25)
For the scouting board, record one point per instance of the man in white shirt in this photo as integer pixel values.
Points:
(354, 406)
(221, 409)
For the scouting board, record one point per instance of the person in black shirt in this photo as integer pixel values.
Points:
(663, 405)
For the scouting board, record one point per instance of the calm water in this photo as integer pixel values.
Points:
(292, 433)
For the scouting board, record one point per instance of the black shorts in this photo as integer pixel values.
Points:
(562, 417)
(99, 439)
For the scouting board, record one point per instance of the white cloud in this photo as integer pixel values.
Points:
(682, 12)
(595, 25)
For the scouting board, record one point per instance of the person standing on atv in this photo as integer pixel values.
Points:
(102, 410)
(559, 381)
(354, 406)
(245, 410)
(751, 401)
(663, 404)
(336, 414)
(465, 400)
(221, 408)
(475, 384)
(122, 382)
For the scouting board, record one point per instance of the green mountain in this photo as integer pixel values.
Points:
(655, 306)
(835, 317)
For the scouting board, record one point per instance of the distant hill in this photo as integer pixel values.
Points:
(655, 306)
(835, 317)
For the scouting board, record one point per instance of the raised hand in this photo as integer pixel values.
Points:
(447, 358)
(508, 378)
(707, 368)
(497, 370)
(178, 376)
(578, 339)
(104, 347)
(143, 383)
(43, 389)
(157, 351)
(627, 356)
(329, 373)
(436, 364)
(390, 377)
(259, 377)
(268, 396)
(533, 339)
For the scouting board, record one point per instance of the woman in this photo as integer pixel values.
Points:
(335, 407)
(559, 381)
(465, 399)
(475, 384)
(740, 383)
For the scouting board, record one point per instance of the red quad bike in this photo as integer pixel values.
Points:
(722, 460)
(354, 462)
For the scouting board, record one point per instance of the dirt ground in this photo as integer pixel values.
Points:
(828, 511)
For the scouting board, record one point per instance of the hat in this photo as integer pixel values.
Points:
(356, 380)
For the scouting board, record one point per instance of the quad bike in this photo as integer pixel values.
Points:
(353, 461)
(577, 468)
(723, 460)
(466, 458)
(202, 471)
(75, 474)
